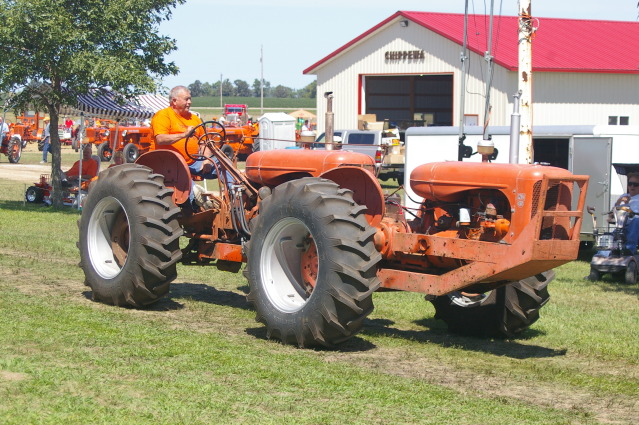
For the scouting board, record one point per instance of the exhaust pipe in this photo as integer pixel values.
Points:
(328, 127)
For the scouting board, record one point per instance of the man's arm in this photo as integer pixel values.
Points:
(169, 139)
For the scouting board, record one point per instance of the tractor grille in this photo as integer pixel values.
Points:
(552, 199)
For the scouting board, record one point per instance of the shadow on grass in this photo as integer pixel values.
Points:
(438, 334)
(20, 206)
(208, 294)
(610, 283)
(434, 332)
(352, 345)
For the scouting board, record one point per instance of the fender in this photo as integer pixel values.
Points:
(174, 169)
(365, 187)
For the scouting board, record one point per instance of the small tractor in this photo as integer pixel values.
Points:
(28, 128)
(319, 237)
(41, 192)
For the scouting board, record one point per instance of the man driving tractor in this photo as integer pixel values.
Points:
(171, 125)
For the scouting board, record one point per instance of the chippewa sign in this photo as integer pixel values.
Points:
(404, 54)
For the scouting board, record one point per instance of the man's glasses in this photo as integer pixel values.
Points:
(633, 184)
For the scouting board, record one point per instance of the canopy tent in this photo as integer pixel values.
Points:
(105, 105)
(303, 114)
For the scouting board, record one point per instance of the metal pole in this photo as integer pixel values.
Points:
(462, 101)
(525, 76)
(489, 73)
(262, 79)
(515, 120)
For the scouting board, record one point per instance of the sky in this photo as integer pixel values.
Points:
(225, 39)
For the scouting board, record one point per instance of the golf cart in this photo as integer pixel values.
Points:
(612, 255)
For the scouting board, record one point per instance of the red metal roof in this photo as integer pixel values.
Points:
(559, 45)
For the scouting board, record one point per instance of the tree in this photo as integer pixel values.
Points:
(209, 89)
(196, 88)
(282, 91)
(310, 91)
(227, 88)
(257, 88)
(242, 88)
(54, 50)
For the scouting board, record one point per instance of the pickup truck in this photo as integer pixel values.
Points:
(386, 147)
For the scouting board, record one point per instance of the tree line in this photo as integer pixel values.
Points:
(241, 88)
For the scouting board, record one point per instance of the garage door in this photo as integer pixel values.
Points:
(406, 98)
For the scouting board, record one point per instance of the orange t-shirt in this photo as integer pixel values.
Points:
(89, 168)
(167, 121)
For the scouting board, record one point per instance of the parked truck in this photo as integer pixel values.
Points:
(319, 237)
(386, 147)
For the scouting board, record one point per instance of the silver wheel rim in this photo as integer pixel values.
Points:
(467, 301)
(99, 232)
(31, 195)
(280, 262)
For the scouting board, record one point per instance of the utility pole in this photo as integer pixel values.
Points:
(525, 76)
(262, 79)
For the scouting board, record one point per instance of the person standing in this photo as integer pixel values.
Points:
(47, 140)
(4, 128)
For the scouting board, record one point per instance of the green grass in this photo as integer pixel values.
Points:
(255, 102)
(198, 356)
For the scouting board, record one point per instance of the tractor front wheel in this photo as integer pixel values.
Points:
(312, 263)
(130, 152)
(34, 195)
(630, 276)
(14, 151)
(105, 152)
(502, 313)
(129, 237)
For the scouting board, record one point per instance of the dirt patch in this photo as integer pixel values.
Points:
(605, 408)
(26, 173)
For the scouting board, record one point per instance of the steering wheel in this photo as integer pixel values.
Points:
(214, 133)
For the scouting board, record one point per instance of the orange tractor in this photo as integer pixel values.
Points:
(319, 236)
(111, 137)
(28, 128)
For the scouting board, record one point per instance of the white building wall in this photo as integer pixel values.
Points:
(559, 98)
(584, 99)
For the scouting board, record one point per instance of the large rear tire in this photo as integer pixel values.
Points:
(129, 237)
(501, 313)
(302, 300)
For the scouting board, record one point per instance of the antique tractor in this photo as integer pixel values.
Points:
(42, 190)
(28, 128)
(319, 236)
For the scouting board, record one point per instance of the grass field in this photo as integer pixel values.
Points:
(198, 356)
(255, 102)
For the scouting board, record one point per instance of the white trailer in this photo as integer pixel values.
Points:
(584, 149)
